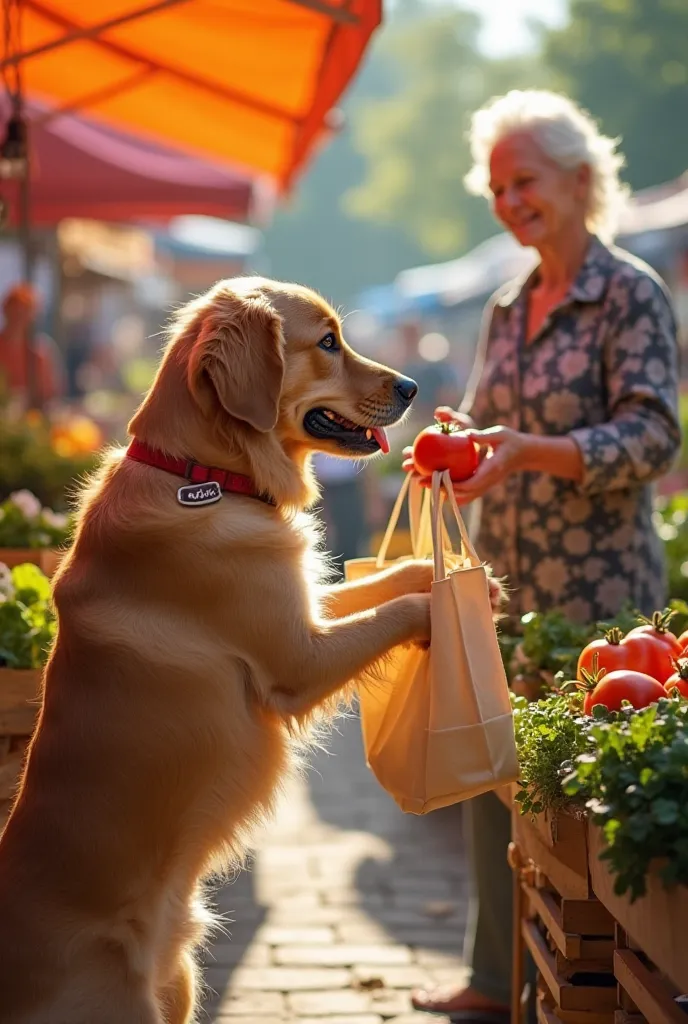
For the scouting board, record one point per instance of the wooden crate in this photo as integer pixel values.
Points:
(19, 703)
(47, 559)
(596, 995)
(568, 932)
(586, 947)
(656, 923)
(558, 845)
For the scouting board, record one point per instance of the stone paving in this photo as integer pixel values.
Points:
(348, 905)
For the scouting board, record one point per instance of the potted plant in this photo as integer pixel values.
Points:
(31, 533)
(27, 628)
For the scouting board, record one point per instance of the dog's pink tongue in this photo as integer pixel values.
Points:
(380, 435)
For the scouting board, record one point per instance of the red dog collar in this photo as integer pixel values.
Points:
(231, 483)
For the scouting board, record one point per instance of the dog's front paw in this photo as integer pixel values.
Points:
(415, 577)
(497, 593)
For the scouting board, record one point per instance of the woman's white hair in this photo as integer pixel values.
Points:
(566, 134)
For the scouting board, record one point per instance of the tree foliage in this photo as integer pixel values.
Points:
(414, 140)
(627, 62)
(388, 192)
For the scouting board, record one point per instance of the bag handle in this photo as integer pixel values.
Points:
(417, 516)
(441, 487)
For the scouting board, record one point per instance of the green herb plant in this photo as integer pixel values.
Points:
(549, 733)
(27, 621)
(633, 779)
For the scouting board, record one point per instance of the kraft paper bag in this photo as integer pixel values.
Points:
(438, 727)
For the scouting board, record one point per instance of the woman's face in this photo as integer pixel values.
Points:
(534, 198)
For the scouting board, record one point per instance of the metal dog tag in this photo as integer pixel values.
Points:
(199, 494)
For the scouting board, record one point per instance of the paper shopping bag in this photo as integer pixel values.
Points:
(438, 727)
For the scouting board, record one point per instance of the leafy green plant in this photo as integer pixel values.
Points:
(27, 621)
(24, 523)
(633, 779)
(549, 733)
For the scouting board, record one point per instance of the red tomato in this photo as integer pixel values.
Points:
(443, 447)
(658, 629)
(638, 652)
(679, 680)
(636, 687)
(683, 640)
(614, 651)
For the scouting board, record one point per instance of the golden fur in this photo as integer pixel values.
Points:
(192, 643)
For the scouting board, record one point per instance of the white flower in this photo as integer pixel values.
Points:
(57, 520)
(6, 585)
(27, 503)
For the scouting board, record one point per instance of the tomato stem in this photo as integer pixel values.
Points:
(659, 621)
(681, 665)
(446, 426)
(591, 679)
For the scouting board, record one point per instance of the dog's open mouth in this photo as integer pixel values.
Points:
(331, 426)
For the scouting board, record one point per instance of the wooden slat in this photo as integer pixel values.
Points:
(569, 997)
(9, 775)
(586, 917)
(648, 992)
(548, 1014)
(46, 559)
(544, 904)
(19, 696)
(584, 964)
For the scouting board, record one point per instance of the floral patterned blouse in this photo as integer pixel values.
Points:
(602, 369)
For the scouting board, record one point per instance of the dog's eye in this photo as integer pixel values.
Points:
(329, 343)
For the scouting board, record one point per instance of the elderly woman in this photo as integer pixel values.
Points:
(574, 399)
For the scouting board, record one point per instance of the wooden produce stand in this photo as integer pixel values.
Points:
(600, 959)
(20, 692)
(557, 918)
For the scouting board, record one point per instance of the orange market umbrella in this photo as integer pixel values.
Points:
(248, 81)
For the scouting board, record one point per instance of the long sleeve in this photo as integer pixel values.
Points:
(641, 436)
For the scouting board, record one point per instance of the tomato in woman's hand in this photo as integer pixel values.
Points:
(679, 680)
(443, 446)
(615, 687)
(658, 628)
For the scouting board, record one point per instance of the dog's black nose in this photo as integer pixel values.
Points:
(406, 388)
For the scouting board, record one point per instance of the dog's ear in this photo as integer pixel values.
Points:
(239, 354)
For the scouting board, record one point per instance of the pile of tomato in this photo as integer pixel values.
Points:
(647, 663)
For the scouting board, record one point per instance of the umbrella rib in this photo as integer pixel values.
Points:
(232, 95)
(340, 14)
(87, 32)
(94, 98)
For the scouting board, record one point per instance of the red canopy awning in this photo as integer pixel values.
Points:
(82, 169)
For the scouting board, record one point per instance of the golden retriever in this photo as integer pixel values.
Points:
(192, 641)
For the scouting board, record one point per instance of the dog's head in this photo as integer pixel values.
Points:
(267, 366)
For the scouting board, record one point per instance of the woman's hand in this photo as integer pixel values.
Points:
(505, 451)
